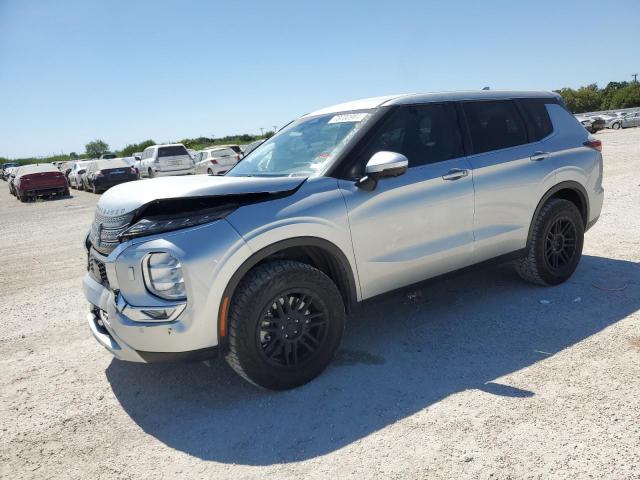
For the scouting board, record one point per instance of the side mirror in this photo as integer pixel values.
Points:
(381, 165)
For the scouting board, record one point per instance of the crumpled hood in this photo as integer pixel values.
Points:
(127, 197)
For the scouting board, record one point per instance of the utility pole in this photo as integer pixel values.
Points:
(261, 132)
(275, 128)
(635, 77)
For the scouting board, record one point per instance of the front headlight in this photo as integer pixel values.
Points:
(163, 276)
(160, 224)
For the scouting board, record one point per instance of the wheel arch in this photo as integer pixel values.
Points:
(568, 190)
(316, 251)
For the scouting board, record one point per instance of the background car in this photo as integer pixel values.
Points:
(134, 163)
(37, 180)
(251, 147)
(235, 148)
(630, 120)
(65, 168)
(104, 174)
(4, 173)
(165, 160)
(215, 161)
(75, 175)
(591, 124)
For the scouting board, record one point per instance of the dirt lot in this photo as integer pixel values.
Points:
(478, 376)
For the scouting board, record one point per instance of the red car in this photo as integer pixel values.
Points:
(39, 180)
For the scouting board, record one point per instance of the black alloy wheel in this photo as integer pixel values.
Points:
(560, 244)
(293, 328)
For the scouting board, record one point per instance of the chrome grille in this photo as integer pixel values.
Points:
(105, 230)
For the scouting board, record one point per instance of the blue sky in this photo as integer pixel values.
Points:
(124, 71)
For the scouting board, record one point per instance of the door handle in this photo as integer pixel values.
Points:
(538, 156)
(455, 174)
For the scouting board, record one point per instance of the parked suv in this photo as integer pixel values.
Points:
(163, 160)
(345, 203)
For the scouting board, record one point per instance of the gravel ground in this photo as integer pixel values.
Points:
(477, 376)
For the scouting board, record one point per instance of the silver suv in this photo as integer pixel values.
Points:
(346, 203)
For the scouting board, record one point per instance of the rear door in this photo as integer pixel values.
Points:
(419, 224)
(512, 169)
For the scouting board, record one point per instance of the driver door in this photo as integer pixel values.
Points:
(419, 224)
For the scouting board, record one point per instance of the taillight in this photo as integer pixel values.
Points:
(214, 161)
(98, 173)
(593, 143)
(133, 170)
(238, 157)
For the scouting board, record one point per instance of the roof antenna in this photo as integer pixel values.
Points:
(486, 88)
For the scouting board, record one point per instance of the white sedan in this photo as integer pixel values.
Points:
(215, 160)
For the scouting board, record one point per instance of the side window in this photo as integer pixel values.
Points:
(494, 125)
(423, 133)
(537, 117)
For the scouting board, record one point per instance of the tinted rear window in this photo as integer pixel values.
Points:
(537, 117)
(172, 151)
(494, 125)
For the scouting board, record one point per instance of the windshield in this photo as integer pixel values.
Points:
(303, 148)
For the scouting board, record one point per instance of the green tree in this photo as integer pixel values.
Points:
(135, 147)
(73, 156)
(96, 148)
(584, 99)
(609, 91)
(626, 97)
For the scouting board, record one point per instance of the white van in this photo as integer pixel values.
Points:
(165, 160)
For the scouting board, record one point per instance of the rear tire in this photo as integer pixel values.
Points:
(555, 247)
(616, 126)
(286, 322)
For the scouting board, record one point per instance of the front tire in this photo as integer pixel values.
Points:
(555, 247)
(150, 173)
(286, 322)
(616, 126)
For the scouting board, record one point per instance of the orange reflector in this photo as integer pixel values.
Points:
(223, 317)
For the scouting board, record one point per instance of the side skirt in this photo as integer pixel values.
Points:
(492, 262)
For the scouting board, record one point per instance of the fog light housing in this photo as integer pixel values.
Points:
(163, 276)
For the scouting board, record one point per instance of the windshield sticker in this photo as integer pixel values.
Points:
(348, 117)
